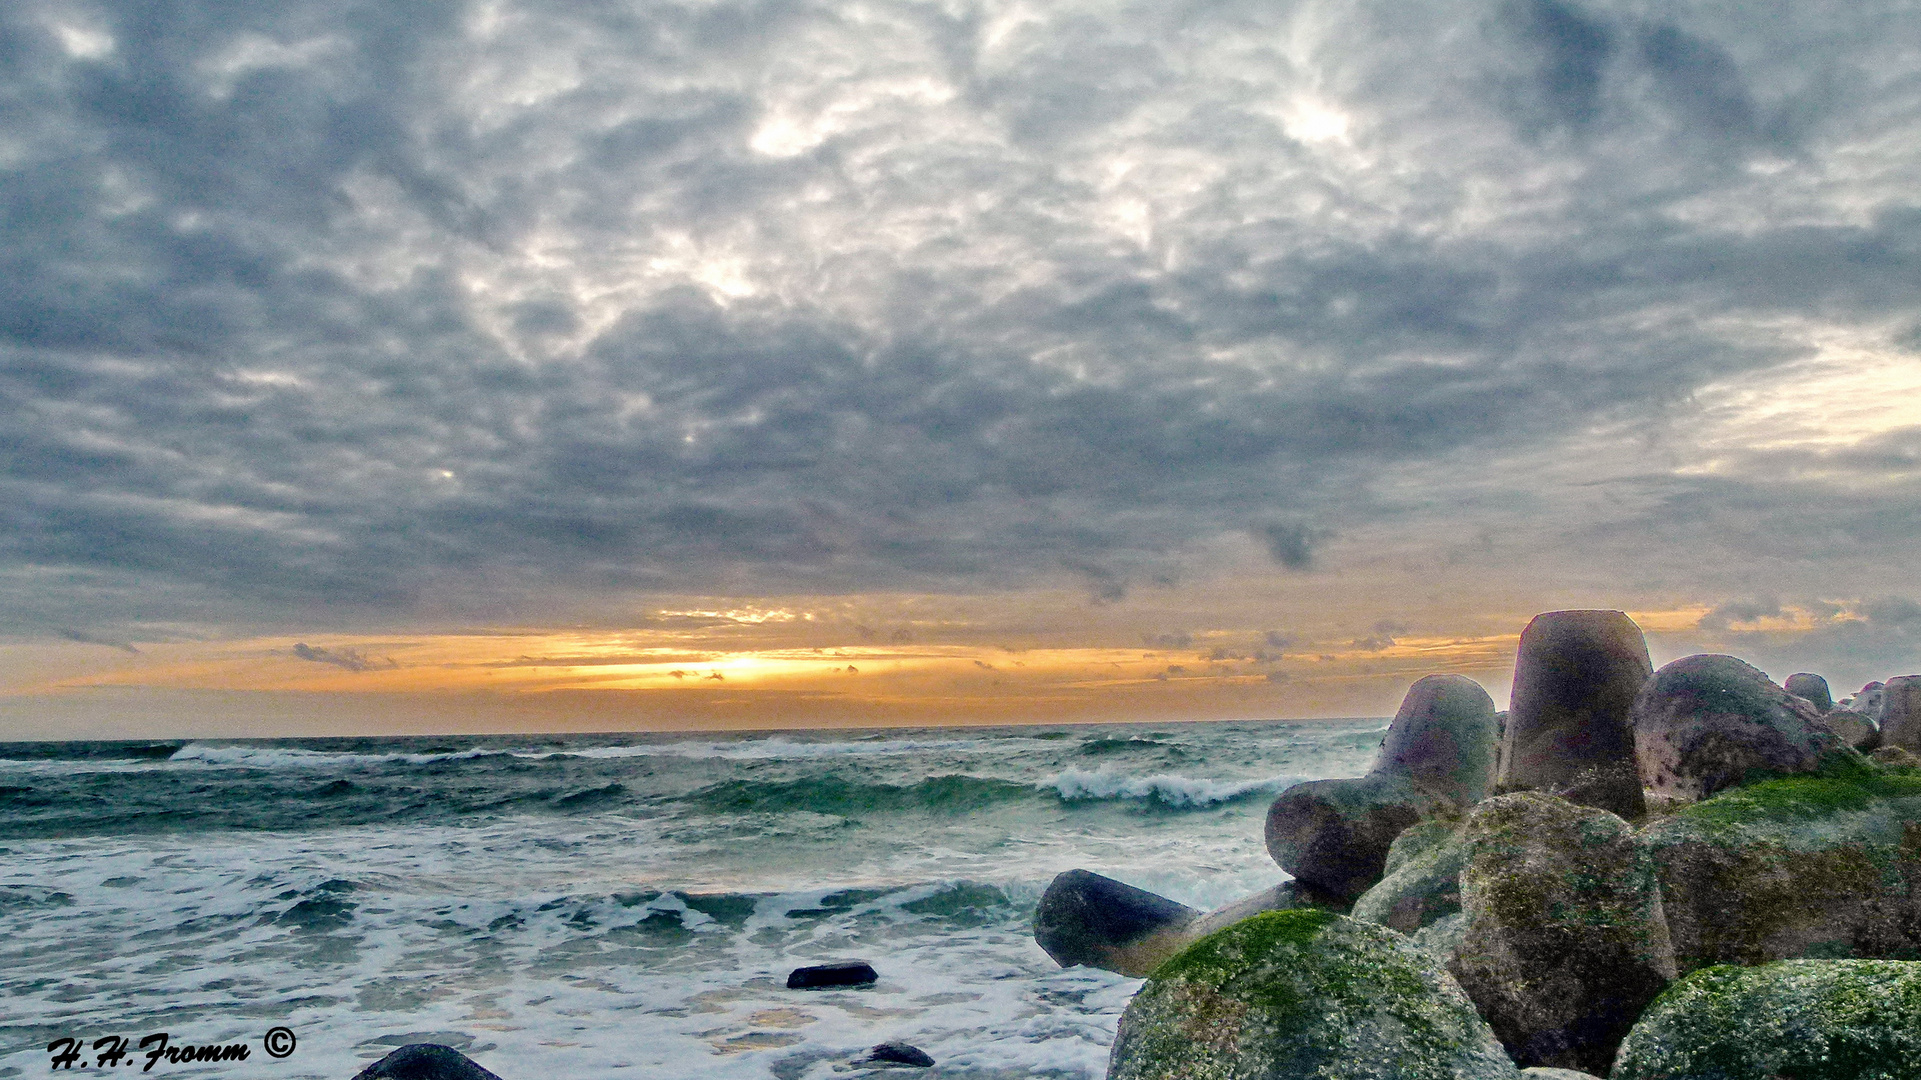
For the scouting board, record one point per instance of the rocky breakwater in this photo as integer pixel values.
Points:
(1651, 833)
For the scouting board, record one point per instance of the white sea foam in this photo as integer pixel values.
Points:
(1170, 788)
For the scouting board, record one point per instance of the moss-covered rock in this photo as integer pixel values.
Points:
(1302, 994)
(1422, 884)
(1806, 1019)
(1565, 941)
(1826, 865)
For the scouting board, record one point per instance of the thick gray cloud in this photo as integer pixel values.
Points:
(334, 310)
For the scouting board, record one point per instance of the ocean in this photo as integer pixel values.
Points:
(609, 905)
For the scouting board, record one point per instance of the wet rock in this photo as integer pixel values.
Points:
(1807, 1019)
(1334, 834)
(425, 1061)
(1085, 918)
(1565, 941)
(1540, 1073)
(1901, 712)
(822, 976)
(1422, 883)
(1443, 740)
(898, 1053)
(1705, 723)
(1810, 688)
(1825, 866)
(1569, 731)
(1304, 993)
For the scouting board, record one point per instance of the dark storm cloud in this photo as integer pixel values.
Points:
(338, 308)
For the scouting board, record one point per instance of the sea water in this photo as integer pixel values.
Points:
(610, 905)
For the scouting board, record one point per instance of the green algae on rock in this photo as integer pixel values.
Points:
(1565, 941)
(1304, 994)
(1826, 865)
(1806, 1019)
(1423, 881)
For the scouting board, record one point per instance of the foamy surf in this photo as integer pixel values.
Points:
(595, 904)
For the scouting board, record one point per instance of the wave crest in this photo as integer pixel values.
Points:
(1168, 789)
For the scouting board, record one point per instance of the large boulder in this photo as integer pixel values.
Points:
(1086, 918)
(1825, 866)
(1708, 722)
(1334, 834)
(1569, 731)
(1438, 756)
(1811, 688)
(1299, 994)
(1901, 712)
(1806, 1019)
(1565, 942)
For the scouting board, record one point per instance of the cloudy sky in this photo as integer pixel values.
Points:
(369, 366)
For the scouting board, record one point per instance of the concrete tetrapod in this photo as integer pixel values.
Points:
(1439, 754)
(1086, 918)
(1569, 733)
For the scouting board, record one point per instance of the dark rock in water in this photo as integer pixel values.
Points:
(1565, 941)
(1901, 712)
(1705, 723)
(1443, 740)
(1569, 731)
(1084, 918)
(898, 1053)
(425, 1061)
(1304, 993)
(820, 976)
(1855, 729)
(1807, 1019)
(1810, 688)
(1825, 866)
(1334, 834)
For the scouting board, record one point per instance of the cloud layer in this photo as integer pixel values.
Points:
(331, 311)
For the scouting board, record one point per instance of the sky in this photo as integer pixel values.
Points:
(372, 367)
